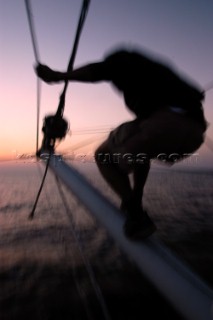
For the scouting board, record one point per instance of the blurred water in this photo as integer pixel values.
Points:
(40, 260)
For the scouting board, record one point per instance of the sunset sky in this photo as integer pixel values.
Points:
(178, 30)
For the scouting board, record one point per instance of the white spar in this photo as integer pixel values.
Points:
(192, 298)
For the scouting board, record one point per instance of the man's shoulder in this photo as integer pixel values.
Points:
(117, 55)
(127, 58)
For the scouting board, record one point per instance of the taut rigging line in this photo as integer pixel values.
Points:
(37, 58)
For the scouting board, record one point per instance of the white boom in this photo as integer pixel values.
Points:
(188, 294)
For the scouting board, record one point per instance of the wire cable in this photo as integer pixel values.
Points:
(38, 103)
(37, 58)
(31, 215)
(32, 30)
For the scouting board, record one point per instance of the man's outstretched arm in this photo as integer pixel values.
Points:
(92, 72)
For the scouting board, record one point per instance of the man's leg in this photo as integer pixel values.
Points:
(116, 177)
(138, 224)
(116, 173)
(140, 174)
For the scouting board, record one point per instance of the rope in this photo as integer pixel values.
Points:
(81, 144)
(84, 10)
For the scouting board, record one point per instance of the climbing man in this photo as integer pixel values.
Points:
(169, 124)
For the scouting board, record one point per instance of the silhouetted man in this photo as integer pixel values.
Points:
(169, 125)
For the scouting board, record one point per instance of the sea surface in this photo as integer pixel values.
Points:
(63, 265)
